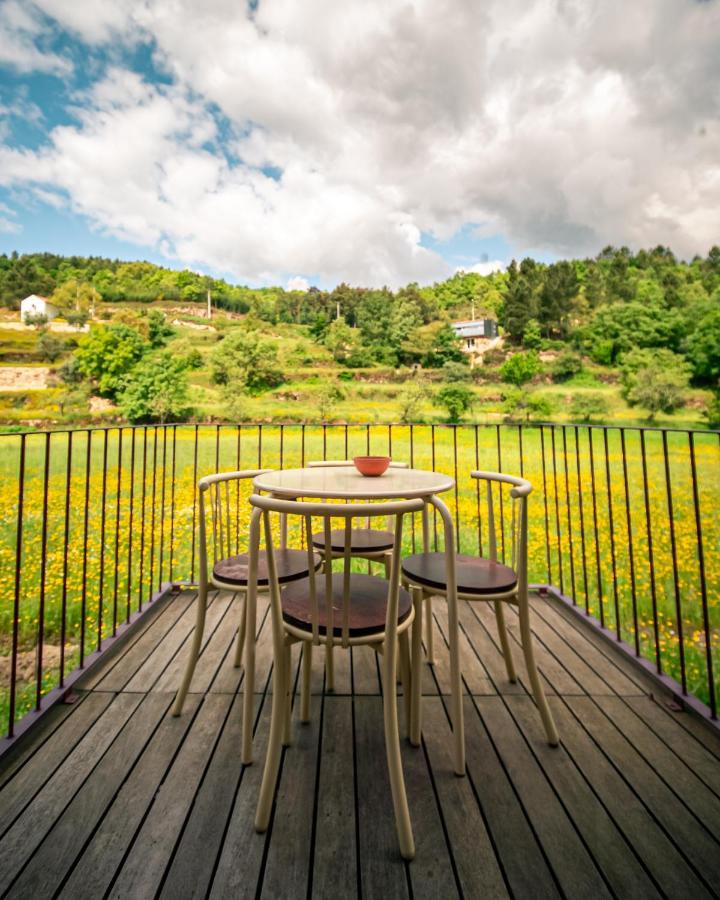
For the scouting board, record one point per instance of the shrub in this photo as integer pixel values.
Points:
(454, 372)
(585, 407)
(457, 399)
(566, 366)
(520, 368)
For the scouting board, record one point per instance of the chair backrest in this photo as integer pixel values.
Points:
(221, 508)
(519, 490)
(336, 463)
(264, 506)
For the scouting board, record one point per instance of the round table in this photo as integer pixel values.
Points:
(346, 483)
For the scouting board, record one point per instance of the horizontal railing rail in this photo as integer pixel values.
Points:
(95, 522)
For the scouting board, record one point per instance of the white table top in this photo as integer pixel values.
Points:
(345, 482)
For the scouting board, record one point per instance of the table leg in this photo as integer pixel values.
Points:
(453, 637)
(250, 635)
(428, 599)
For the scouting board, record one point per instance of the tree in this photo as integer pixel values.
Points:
(655, 380)
(440, 345)
(107, 354)
(36, 320)
(457, 399)
(75, 295)
(522, 297)
(411, 399)
(329, 395)
(76, 319)
(159, 329)
(703, 346)
(585, 407)
(523, 404)
(156, 391)
(49, 347)
(520, 368)
(344, 342)
(560, 286)
(249, 359)
(532, 336)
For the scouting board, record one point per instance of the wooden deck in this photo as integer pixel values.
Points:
(114, 797)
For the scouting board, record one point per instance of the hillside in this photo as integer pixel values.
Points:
(619, 338)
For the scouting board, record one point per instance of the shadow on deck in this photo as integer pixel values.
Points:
(110, 796)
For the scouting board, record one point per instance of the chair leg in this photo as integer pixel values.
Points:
(404, 667)
(392, 750)
(242, 630)
(504, 642)
(287, 680)
(274, 749)
(416, 670)
(429, 631)
(307, 649)
(194, 651)
(535, 683)
(329, 668)
(249, 679)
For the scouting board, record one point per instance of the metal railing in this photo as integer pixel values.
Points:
(96, 522)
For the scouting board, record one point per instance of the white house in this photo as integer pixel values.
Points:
(37, 306)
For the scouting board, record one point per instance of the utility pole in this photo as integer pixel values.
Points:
(472, 315)
(337, 309)
(209, 305)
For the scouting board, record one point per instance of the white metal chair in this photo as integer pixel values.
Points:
(345, 610)
(373, 544)
(487, 579)
(229, 571)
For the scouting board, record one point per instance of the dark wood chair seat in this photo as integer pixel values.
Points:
(291, 566)
(362, 540)
(474, 575)
(368, 605)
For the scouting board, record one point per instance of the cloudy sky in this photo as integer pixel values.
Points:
(369, 141)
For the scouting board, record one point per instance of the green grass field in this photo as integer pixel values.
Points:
(140, 515)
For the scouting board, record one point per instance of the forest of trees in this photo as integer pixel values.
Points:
(604, 308)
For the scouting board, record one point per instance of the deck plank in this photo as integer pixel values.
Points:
(572, 864)
(334, 865)
(701, 850)
(661, 859)
(477, 866)
(143, 869)
(103, 855)
(608, 846)
(29, 829)
(30, 771)
(115, 797)
(524, 864)
(49, 865)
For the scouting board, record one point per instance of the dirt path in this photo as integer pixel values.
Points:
(23, 378)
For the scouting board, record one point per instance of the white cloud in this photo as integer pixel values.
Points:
(562, 124)
(484, 268)
(298, 283)
(19, 28)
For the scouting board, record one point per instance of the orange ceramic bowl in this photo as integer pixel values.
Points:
(371, 466)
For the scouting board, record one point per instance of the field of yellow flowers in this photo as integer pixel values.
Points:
(105, 517)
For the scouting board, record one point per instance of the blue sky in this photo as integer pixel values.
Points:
(358, 142)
